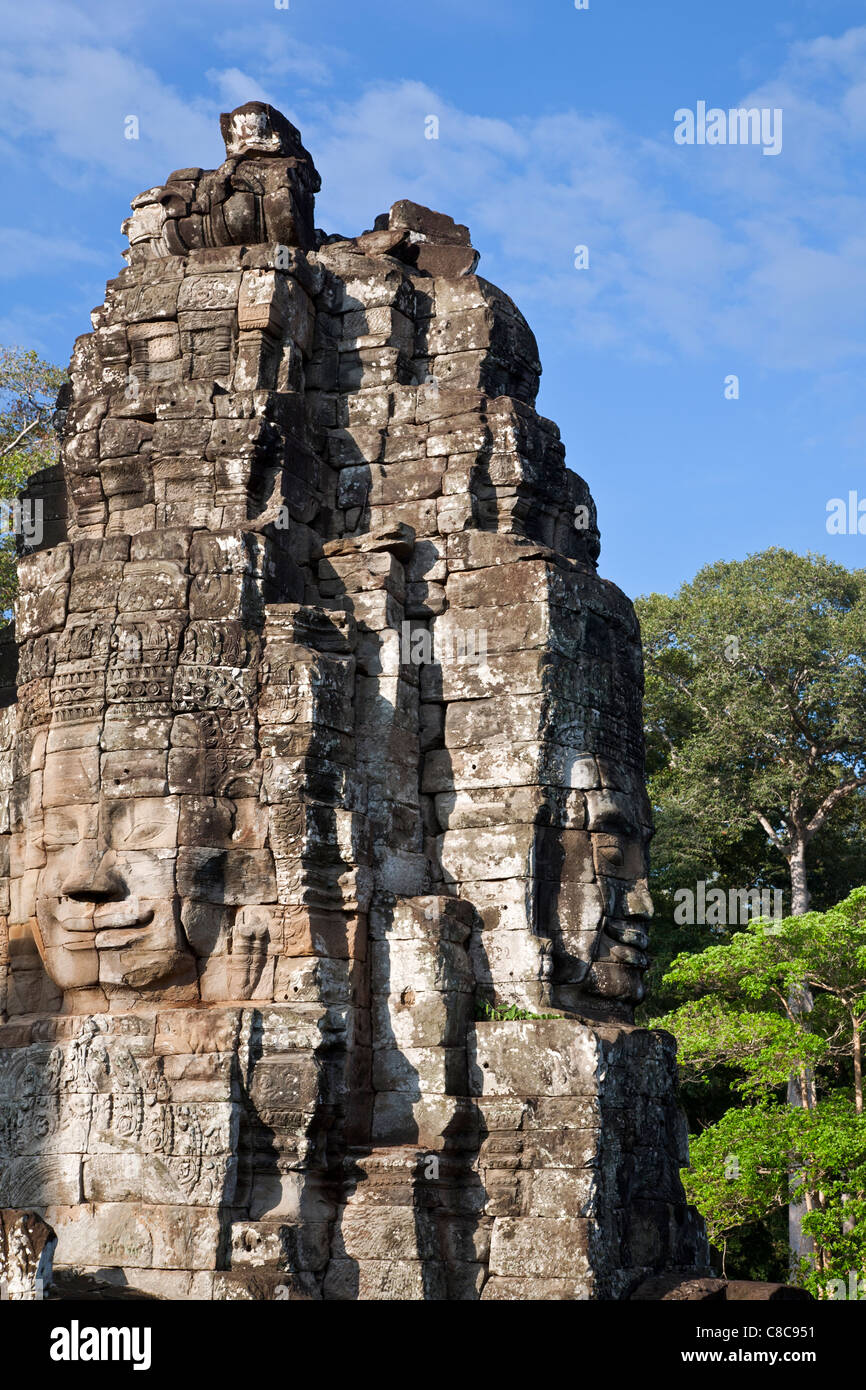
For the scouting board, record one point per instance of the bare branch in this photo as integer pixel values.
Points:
(834, 797)
(19, 437)
(780, 845)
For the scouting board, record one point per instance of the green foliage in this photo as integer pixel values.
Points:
(763, 1049)
(668, 942)
(760, 1250)
(760, 969)
(755, 729)
(28, 443)
(755, 711)
(500, 1013)
(739, 1169)
(737, 1021)
(739, 1175)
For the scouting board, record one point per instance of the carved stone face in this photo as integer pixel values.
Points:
(107, 907)
(619, 953)
(259, 129)
(139, 855)
(132, 894)
(250, 131)
(592, 853)
(592, 897)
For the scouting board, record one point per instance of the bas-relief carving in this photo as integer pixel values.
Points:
(27, 1247)
(224, 776)
(100, 1096)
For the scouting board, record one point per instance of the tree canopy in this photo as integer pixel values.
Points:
(739, 1019)
(756, 703)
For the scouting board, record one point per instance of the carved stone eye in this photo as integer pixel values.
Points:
(144, 833)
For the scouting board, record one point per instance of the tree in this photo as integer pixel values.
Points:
(756, 713)
(756, 702)
(740, 1019)
(28, 443)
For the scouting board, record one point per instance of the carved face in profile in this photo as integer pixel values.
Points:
(592, 849)
(593, 901)
(618, 955)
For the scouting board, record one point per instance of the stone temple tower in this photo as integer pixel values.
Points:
(323, 751)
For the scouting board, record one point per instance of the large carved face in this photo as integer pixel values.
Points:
(106, 903)
(134, 879)
(618, 954)
(591, 854)
(593, 901)
(139, 848)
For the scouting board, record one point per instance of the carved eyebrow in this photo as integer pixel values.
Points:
(616, 822)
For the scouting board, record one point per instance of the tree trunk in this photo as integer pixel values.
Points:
(800, 895)
(849, 1225)
(800, 1088)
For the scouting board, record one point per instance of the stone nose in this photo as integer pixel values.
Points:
(639, 901)
(93, 876)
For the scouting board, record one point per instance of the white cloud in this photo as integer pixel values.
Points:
(44, 22)
(235, 87)
(530, 193)
(271, 47)
(692, 250)
(24, 252)
(66, 106)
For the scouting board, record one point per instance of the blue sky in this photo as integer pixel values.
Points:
(555, 130)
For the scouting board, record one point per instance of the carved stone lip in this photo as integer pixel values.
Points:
(628, 943)
(77, 924)
(629, 955)
(117, 939)
(631, 933)
(120, 925)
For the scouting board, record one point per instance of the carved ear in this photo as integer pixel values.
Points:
(35, 936)
(249, 974)
(28, 986)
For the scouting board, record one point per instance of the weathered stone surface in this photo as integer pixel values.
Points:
(27, 1245)
(674, 1288)
(327, 737)
(756, 1291)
